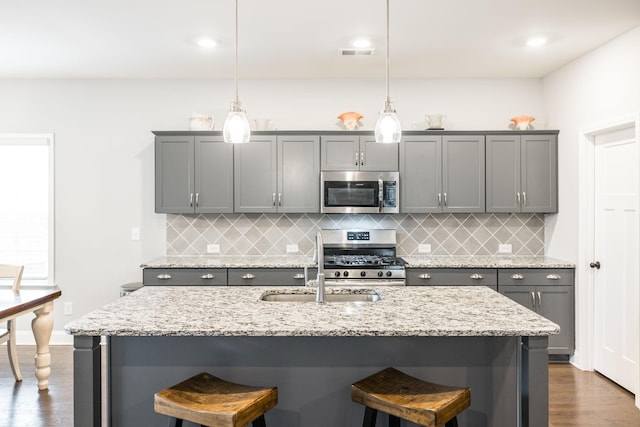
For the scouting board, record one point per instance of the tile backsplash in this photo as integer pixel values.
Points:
(269, 234)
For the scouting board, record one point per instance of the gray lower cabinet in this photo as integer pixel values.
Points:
(353, 152)
(194, 174)
(442, 174)
(550, 293)
(184, 276)
(453, 277)
(266, 277)
(278, 174)
(522, 173)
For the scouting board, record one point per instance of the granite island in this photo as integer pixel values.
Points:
(158, 336)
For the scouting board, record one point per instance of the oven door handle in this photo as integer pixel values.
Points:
(380, 194)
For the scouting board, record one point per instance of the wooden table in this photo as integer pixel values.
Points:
(38, 300)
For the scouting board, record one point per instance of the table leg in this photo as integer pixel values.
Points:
(42, 327)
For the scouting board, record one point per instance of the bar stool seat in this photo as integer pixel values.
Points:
(214, 402)
(403, 396)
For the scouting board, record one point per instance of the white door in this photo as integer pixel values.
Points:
(617, 323)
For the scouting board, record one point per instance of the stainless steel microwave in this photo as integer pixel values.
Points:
(359, 192)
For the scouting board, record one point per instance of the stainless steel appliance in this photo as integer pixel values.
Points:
(359, 192)
(361, 258)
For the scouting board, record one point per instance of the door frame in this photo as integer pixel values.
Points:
(585, 279)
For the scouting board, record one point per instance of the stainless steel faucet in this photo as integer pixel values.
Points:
(320, 291)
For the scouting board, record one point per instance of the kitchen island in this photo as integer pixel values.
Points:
(158, 336)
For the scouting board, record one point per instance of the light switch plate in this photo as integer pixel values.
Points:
(68, 308)
(135, 233)
(213, 249)
(504, 248)
(424, 248)
(292, 249)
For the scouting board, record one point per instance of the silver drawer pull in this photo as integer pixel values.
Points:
(249, 276)
(208, 276)
(298, 276)
(424, 276)
(163, 276)
(517, 276)
(554, 276)
(476, 276)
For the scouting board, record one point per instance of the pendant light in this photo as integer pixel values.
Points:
(236, 127)
(388, 129)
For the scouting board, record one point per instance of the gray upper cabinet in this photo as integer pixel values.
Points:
(522, 173)
(353, 152)
(442, 173)
(194, 174)
(278, 174)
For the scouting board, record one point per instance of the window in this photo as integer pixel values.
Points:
(26, 205)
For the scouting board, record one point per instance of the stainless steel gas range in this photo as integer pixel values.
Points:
(361, 258)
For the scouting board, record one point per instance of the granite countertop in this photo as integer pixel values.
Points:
(301, 261)
(238, 311)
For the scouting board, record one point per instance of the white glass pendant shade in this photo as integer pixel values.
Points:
(388, 129)
(236, 127)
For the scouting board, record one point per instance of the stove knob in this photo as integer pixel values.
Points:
(363, 273)
(389, 274)
(380, 274)
(337, 274)
(345, 274)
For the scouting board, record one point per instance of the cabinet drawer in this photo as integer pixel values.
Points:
(452, 277)
(536, 276)
(266, 277)
(184, 276)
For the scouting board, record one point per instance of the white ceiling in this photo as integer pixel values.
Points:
(300, 39)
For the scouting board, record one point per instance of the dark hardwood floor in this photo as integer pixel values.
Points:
(576, 398)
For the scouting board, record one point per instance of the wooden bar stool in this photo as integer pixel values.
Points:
(213, 402)
(403, 396)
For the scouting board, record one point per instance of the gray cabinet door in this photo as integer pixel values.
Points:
(377, 157)
(539, 173)
(420, 174)
(523, 295)
(174, 174)
(184, 276)
(266, 277)
(453, 277)
(255, 164)
(463, 173)
(299, 174)
(213, 175)
(556, 304)
(503, 173)
(339, 153)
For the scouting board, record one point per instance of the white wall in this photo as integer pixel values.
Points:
(104, 151)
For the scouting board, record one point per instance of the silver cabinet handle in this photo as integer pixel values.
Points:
(362, 158)
(197, 199)
(357, 162)
(518, 199)
(273, 198)
(517, 276)
(424, 276)
(445, 199)
(298, 276)
(554, 276)
(191, 199)
(249, 276)
(524, 199)
(208, 276)
(533, 300)
(476, 276)
(539, 300)
(279, 199)
(163, 276)
(439, 199)
(380, 195)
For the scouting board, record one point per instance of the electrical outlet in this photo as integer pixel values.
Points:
(292, 249)
(68, 308)
(504, 248)
(213, 249)
(424, 248)
(135, 233)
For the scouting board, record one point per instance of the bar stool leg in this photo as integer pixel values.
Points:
(259, 422)
(453, 422)
(394, 421)
(175, 422)
(369, 417)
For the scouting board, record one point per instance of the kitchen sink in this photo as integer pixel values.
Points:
(349, 295)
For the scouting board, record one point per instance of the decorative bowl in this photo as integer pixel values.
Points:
(522, 122)
(350, 120)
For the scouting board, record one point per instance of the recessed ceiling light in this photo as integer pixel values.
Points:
(207, 43)
(536, 41)
(361, 43)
